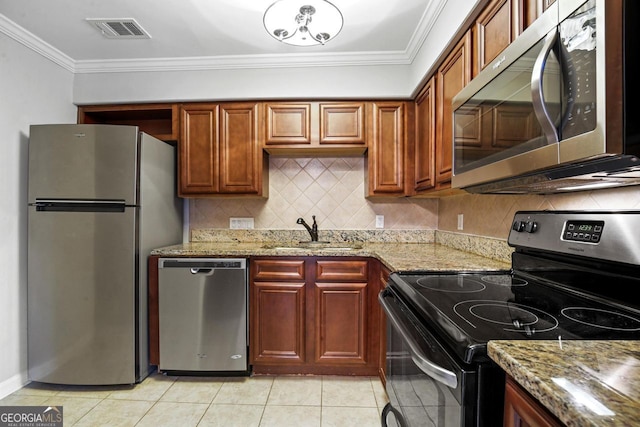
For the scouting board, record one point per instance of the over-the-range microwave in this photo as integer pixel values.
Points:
(558, 109)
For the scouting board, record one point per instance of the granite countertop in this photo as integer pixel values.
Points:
(583, 383)
(395, 256)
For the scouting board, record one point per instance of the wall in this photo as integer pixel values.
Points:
(379, 78)
(33, 90)
(330, 188)
(491, 215)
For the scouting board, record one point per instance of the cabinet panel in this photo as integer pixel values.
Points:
(198, 149)
(382, 325)
(341, 329)
(288, 124)
(275, 269)
(424, 171)
(240, 152)
(342, 123)
(278, 322)
(327, 270)
(522, 410)
(386, 158)
(453, 75)
(494, 31)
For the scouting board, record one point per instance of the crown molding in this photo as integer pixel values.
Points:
(230, 62)
(36, 44)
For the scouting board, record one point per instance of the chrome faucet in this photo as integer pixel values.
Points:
(313, 230)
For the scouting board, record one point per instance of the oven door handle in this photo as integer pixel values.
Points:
(435, 371)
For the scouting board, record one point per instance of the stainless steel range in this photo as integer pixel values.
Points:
(573, 277)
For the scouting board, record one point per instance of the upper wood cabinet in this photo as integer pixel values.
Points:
(315, 128)
(452, 76)
(219, 150)
(158, 120)
(198, 150)
(392, 123)
(494, 30)
(498, 24)
(425, 139)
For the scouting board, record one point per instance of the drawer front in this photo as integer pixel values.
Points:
(277, 270)
(334, 270)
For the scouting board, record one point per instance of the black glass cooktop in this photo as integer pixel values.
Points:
(469, 309)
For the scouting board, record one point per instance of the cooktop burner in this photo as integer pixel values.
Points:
(503, 280)
(460, 284)
(511, 317)
(605, 319)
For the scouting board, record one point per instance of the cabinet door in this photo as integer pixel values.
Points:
(277, 312)
(341, 323)
(342, 123)
(424, 176)
(386, 160)
(240, 151)
(341, 312)
(287, 123)
(278, 323)
(198, 149)
(494, 31)
(453, 75)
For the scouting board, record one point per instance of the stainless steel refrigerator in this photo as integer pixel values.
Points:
(101, 197)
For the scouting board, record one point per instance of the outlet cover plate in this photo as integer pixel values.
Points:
(241, 223)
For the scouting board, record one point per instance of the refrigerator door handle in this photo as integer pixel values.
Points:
(49, 205)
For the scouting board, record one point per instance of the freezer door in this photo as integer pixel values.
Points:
(83, 162)
(82, 295)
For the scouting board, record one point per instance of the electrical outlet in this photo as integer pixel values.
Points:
(379, 221)
(241, 223)
(460, 221)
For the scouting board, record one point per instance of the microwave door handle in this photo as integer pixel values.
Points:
(537, 91)
(433, 370)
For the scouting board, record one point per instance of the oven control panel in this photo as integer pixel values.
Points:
(580, 233)
(583, 231)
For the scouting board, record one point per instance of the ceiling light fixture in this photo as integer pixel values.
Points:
(303, 22)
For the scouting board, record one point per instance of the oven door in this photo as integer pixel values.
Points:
(425, 384)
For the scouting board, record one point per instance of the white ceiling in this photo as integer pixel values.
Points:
(214, 33)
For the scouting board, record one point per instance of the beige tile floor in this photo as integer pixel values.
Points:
(262, 401)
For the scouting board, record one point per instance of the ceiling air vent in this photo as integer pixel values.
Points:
(119, 28)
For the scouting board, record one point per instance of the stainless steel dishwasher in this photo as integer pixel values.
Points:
(203, 315)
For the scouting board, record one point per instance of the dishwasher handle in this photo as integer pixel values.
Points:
(430, 368)
(203, 271)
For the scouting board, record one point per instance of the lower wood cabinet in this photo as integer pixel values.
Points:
(522, 410)
(313, 315)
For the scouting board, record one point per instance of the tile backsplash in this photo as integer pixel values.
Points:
(491, 215)
(333, 190)
(330, 188)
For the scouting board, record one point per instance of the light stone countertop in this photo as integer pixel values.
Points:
(395, 256)
(583, 383)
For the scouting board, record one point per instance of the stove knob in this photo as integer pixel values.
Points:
(531, 227)
(518, 226)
